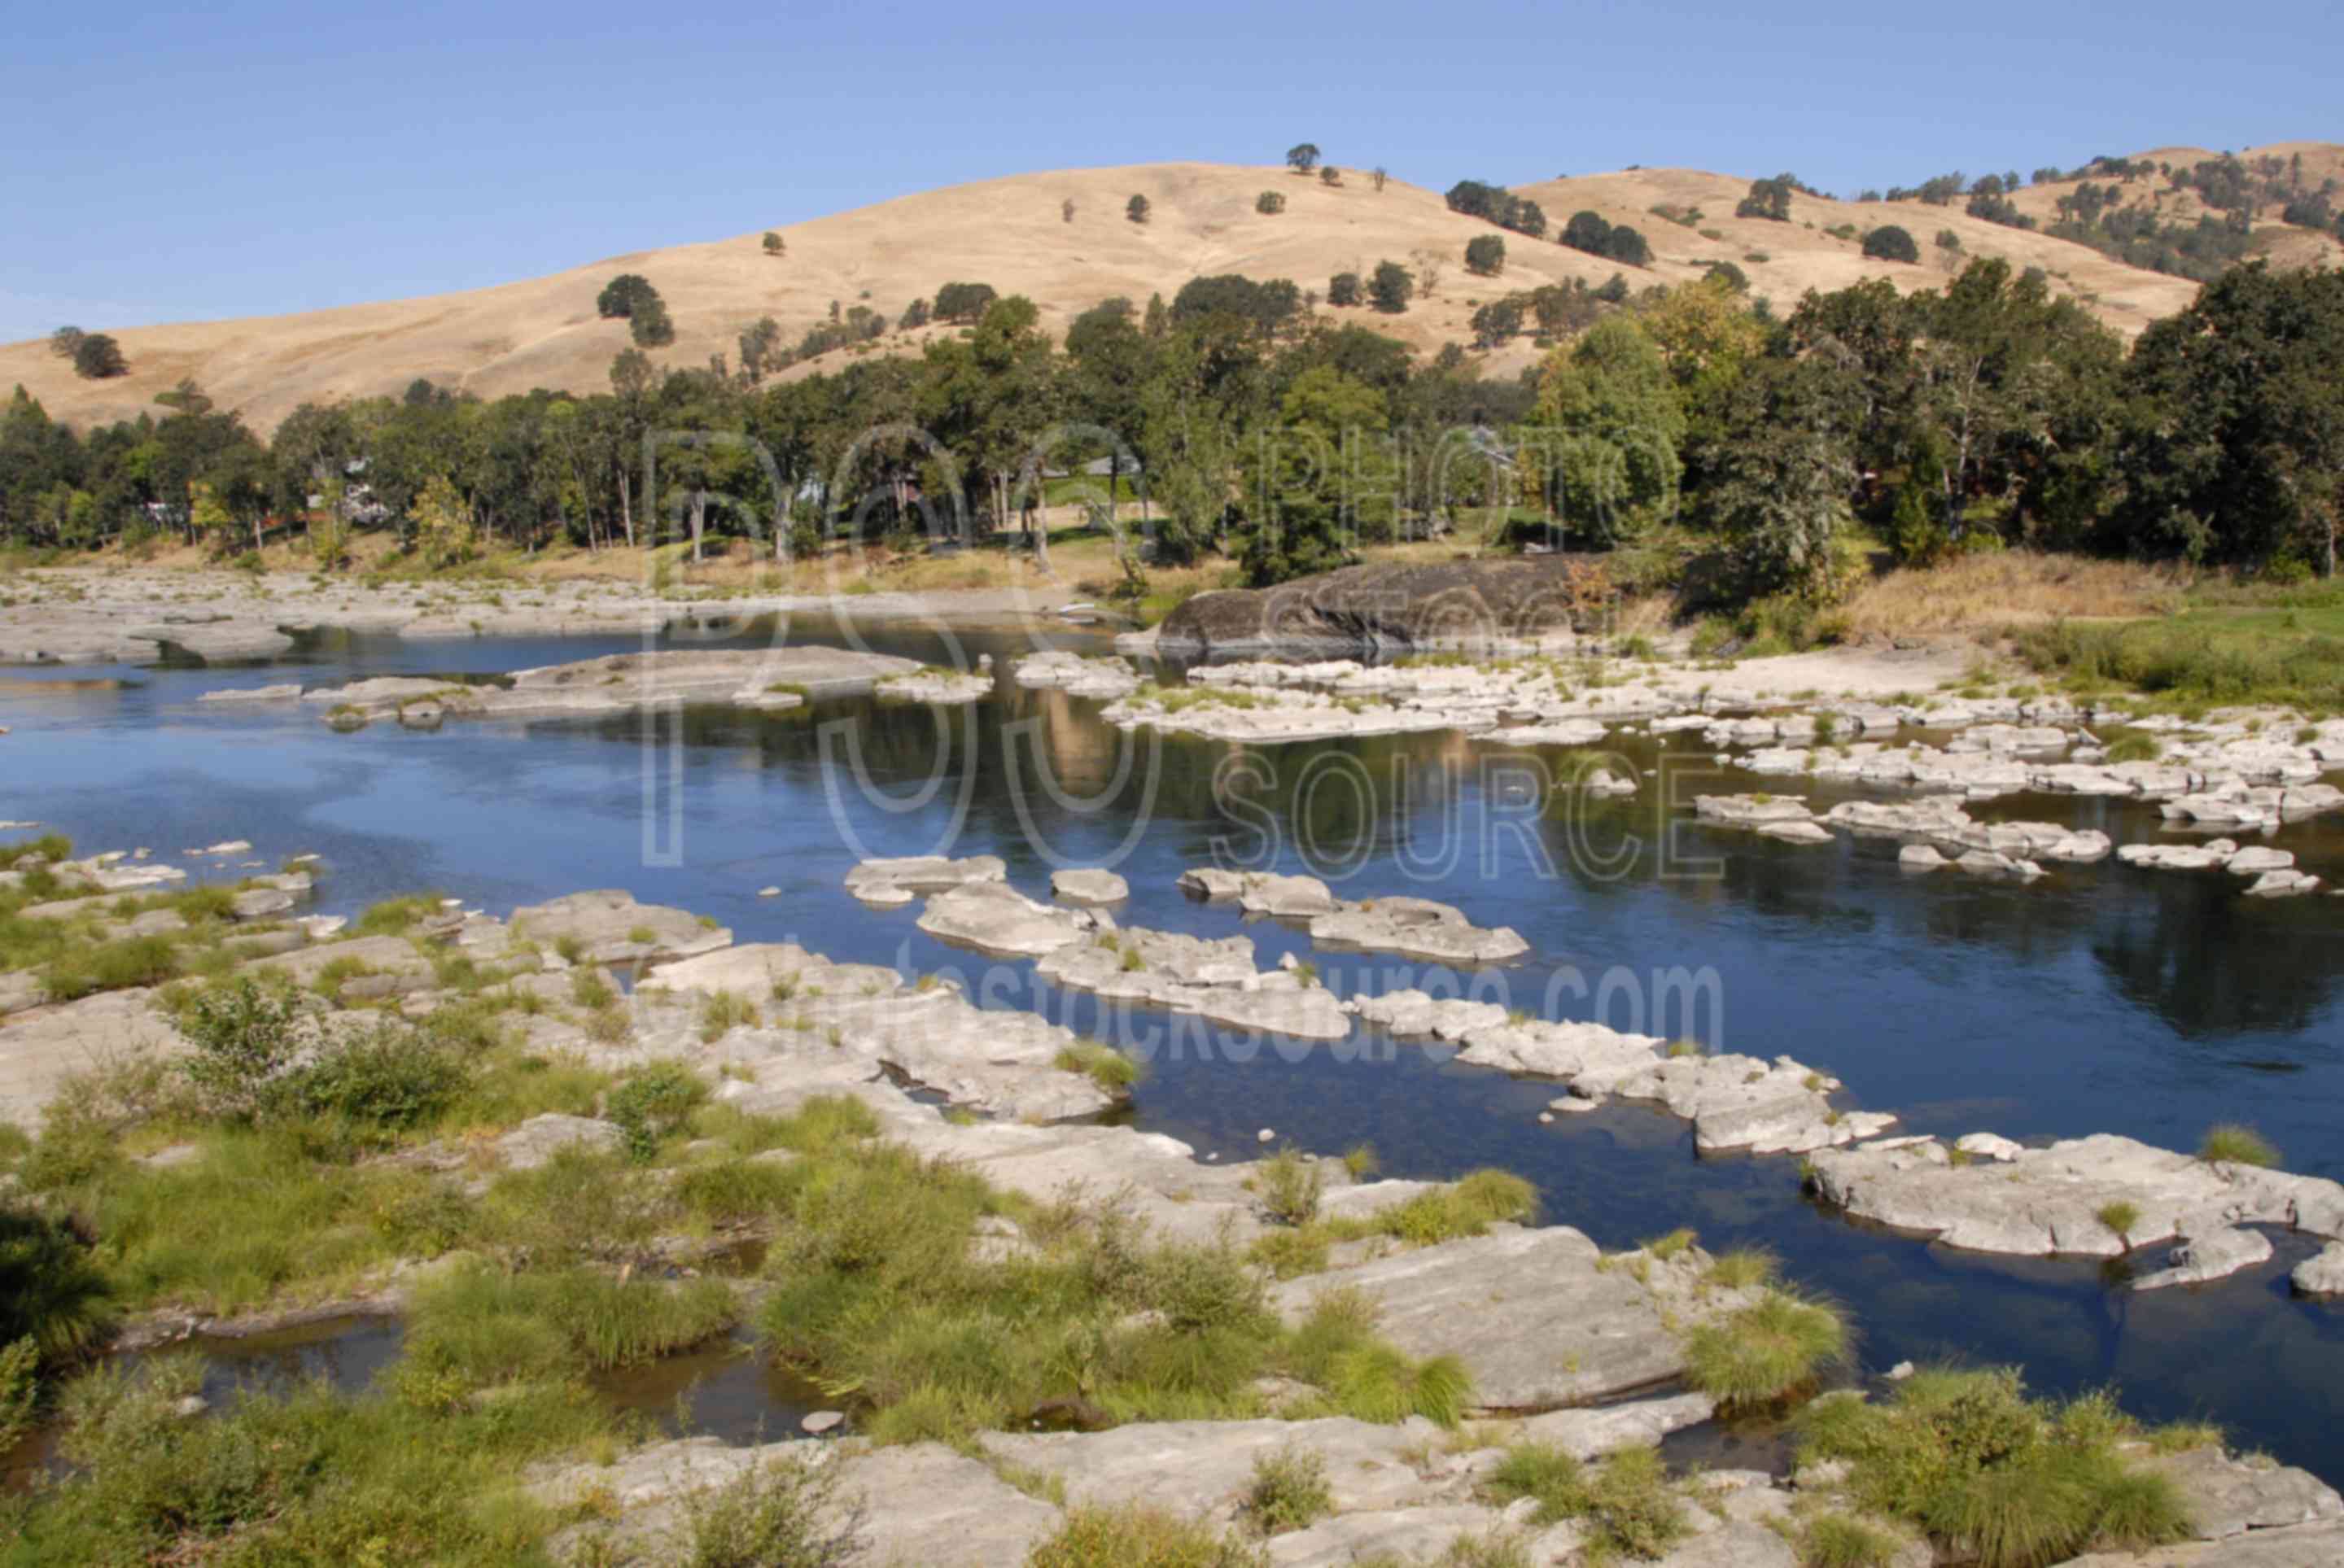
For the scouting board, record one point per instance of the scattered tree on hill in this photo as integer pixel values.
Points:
(1476, 198)
(1343, 289)
(1527, 218)
(1391, 288)
(1157, 319)
(1329, 174)
(65, 340)
(1627, 244)
(1497, 321)
(1269, 202)
(1588, 231)
(1725, 272)
(99, 357)
(1265, 308)
(960, 304)
(774, 245)
(1891, 242)
(1136, 209)
(1485, 256)
(1376, 175)
(1302, 157)
(1769, 199)
(623, 295)
(915, 315)
(649, 324)
(1066, 210)
(1614, 290)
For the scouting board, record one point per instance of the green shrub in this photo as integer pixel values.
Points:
(20, 1389)
(2229, 1144)
(1552, 1475)
(1467, 1206)
(245, 1033)
(1991, 1476)
(52, 848)
(1630, 1503)
(1136, 1536)
(1289, 1188)
(1744, 1268)
(53, 1295)
(393, 916)
(1289, 1491)
(720, 1012)
(591, 989)
(652, 1104)
(482, 1326)
(1837, 1541)
(2133, 748)
(2119, 1217)
(1101, 1064)
(116, 965)
(388, 1077)
(1765, 1351)
(783, 1514)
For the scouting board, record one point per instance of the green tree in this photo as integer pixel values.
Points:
(1628, 247)
(760, 348)
(1302, 157)
(774, 245)
(1781, 477)
(1891, 242)
(623, 296)
(1321, 478)
(1769, 199)
(2237, 444)
(66, 341)
(1329, 174)
(99, 357)
(1136, 209)
(649, 324)
(1616, 425)
(1391, 288)
(1588, 231)
(1496, 322)
(1343, 289)
(1485, 256)
(1269, 203)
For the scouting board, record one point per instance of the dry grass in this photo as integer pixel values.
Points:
(2011, 588)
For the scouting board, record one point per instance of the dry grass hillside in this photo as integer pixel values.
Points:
(2284, 246)
(1011, 233)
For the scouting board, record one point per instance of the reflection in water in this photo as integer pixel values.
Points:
(2099, 998)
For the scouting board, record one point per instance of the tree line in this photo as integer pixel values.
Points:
(1982, 414)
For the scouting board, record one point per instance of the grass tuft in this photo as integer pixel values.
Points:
(2230, 1143)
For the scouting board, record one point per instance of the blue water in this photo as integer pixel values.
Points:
(2102, 998)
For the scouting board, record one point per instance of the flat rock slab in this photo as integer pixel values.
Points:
(1388, 1536)
(1261, 892)
(1638, 1423)
(538, 1140)
(607, 926)
(2229, 1497)
(2321, 1274)
(1213, 980)
(995, 917)
(2298, 1546)
(1089, 886)
(897, 881)
(2211, 1255)
(1417, 929)
(40, 1049)
(2044, 1202)
(1533, 1318)
(1204, 1467)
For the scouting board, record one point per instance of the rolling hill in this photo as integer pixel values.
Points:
(1013, 234)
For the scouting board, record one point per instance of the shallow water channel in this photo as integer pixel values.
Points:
(2101, 999)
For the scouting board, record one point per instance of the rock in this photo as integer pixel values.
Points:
(2079, 847)
(1423, 1534)
(541, 1138)
(608, 926)
(1405, 603)
(1989, 1146)
(2209, 1256)
(941, 688)
(2283, 885)
(1079, 677)
(1561, 732)
(1795, 832)
(1535, 1320)
(894, 881)
(1415, 927)
(1921, 857)
(1196, 1468)
(2228, 1497)
(1266, 1135)
(769, 893)
(40, 1051)
(2321, 1274)
(260, 904)
(1089, 887)
(288, 692)
(2174, 857)
(1636, 1423)
(995, 917)
(2256, 859)
(1750, 810)
(823, 1421)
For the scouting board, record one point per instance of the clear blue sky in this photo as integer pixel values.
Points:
(253, 158)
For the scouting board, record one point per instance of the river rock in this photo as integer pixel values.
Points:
(2228, 1498)
(2321, 1274)
(939, 687)
(1078, 676)
(608, 926)
(1750, 810)
(896, 881)
(1080, 886)
(289, 691)
(995, 917)
(1590, 1433)
(260, 904)
(1795, 832)
(2047, 1201)
(1561, 732)
(2208, 1256)
(1414, 928)
(1921, 857)
(2256, 859)
(2281, 885)
(1195, 1468)
(1262, 892)
(2079, 847)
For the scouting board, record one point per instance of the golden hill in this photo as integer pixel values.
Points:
(1011, 233)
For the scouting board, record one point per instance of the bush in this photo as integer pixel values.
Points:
(1765, 1351)
(1269, 203)
(1289, 1491)
(1344, 291)
(1837, 1541)
(1631, 1505)
(481, 1326)
(1136, 1536)
(1552, 1475)
(20, 1391)
(1891, 242)
(390, 1076)
(1485, 256)
(1289, 1188)
(651, 1105)
(1992, 1476)
(2229, 1144)
(783, 1514)
(53, 1295)
(1101, 1064)
(246, 1033)
(720, 1012)
(110, 966)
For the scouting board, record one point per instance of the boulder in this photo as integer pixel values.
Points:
(995, 917)
(1415, 927)
(2228, 1498)
(608, 926)
(2322, 1275)
(1921, 857)
(541, 1138)
(1080, 886)
(897, 881)
(2209, 1256)
(1481, 601)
